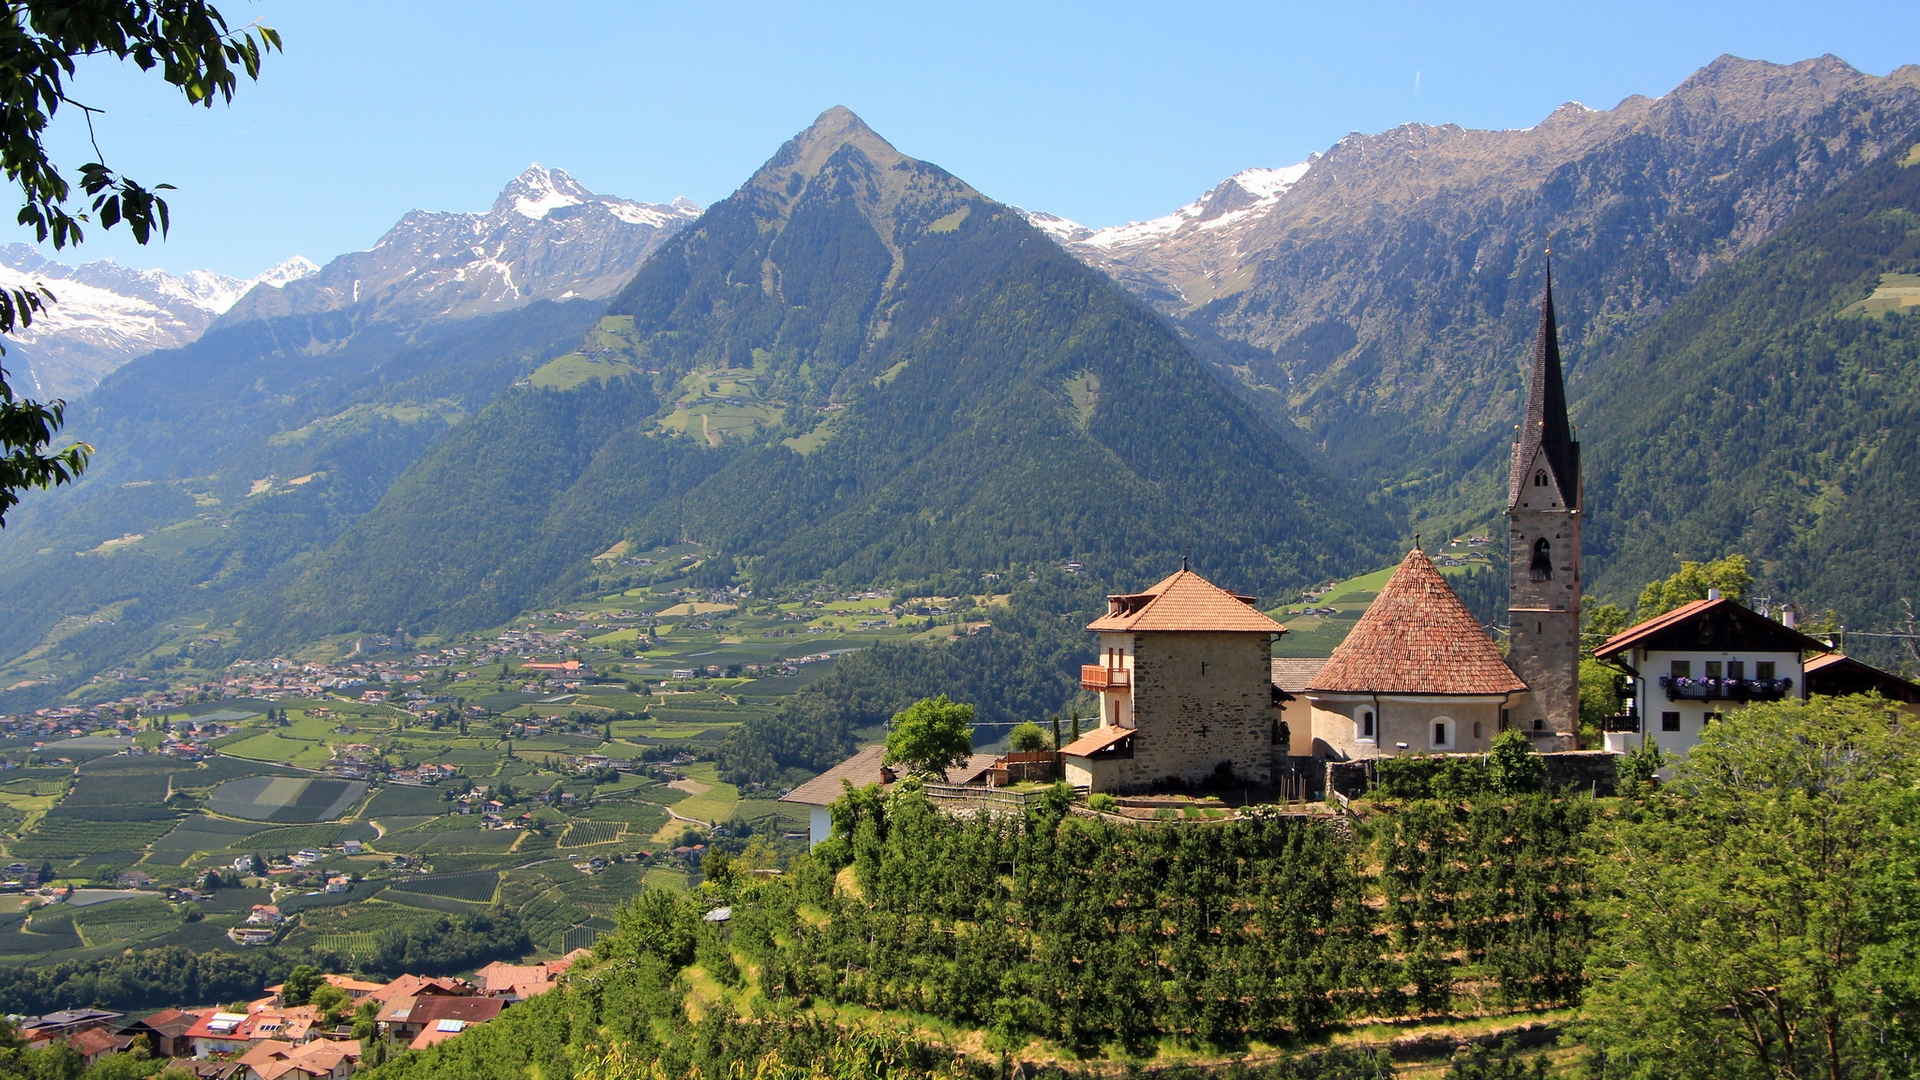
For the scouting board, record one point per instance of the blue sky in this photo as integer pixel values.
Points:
(1101, 112)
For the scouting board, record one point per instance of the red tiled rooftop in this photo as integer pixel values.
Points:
(1185, 601)
(1417, 638)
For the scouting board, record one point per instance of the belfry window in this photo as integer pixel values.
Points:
(1541, 569)
(1540, 478)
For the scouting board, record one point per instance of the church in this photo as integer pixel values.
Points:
(1187, 689)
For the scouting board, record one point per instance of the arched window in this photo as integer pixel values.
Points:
(1366, 723)
(1442, 733)
(1540, 478)
(1541, 569)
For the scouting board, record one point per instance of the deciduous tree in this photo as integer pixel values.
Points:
(930, 735)
(1759, 916)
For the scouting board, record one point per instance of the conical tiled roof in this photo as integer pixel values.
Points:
(1546, 427)
(1185, 601)
(1417, 638)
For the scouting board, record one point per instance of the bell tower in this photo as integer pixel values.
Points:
(1543, 549)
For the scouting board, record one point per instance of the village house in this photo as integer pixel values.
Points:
(165, 1032)
(864, 769)
(272, 1059)
(436, 1019)
(39, 1031)
(1186, 691)
(1693, 663)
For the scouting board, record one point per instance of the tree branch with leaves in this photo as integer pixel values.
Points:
(194, 50)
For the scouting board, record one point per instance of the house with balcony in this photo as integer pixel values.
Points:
(1688, 667)
(1185, 682)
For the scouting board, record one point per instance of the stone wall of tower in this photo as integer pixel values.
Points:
(1544, 616)
(1200, 699)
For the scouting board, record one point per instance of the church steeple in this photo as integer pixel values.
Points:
(1543, 551)
(1545, 430)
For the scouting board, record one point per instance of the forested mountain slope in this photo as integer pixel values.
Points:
(856, 367)
(1383, 304)
(1772, 413)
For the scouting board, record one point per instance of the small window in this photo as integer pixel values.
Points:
(1541, 569)
(1736, 669)
(1442, 734)
(1669, 721)
(1713, 668)
(1366, 723)
(1539, 724)
(1540, 478)
(1476, 729)
(1681, 669)
(1763, 669)
(1506, 719)
(1711, 717)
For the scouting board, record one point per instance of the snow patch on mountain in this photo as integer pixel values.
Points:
(104, 314)
(546, 237)
(1242, 197)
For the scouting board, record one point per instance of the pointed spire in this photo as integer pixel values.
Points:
(1546, 427)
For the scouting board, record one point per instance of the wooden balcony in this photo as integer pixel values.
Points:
(1096, 677)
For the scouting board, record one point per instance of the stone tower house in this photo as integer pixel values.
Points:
(1543, 546)
(1186, 690)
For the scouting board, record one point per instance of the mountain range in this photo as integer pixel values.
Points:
(1381, 304)
(858, 368)
(104, 315)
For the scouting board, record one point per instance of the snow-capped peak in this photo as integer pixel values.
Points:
(1270, 183)
(1239, 200)
(540, 191)
(292, 270)
(104, 314)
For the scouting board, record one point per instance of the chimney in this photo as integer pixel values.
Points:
(1790, 617)
(1713, 594)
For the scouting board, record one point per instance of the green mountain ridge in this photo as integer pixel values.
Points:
(947, 390)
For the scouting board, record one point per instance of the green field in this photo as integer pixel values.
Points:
(476, 887)
(286, 798)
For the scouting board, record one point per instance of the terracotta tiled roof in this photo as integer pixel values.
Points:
(96, 1041)
(1754, 627)
(468, 1010)
(1417, 638)
(1185, 601)
(1095, 741)
(860, 770)
(1294, 673)
(499, 977)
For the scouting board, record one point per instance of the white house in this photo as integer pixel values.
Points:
(1696, 662)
